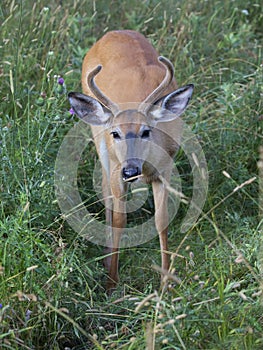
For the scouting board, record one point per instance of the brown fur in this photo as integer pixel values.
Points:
(130, 72)
(126, 56)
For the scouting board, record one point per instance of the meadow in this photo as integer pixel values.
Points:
(52, 279)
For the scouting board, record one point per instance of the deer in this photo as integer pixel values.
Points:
(132, 103)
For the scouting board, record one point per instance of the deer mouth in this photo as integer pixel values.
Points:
(131, 173)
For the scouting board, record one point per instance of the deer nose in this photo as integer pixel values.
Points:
(129, 172)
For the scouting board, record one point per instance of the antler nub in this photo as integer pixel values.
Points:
(146, 104)
(113, 107)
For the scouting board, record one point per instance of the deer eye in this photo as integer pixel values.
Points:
(115, 135)
(146, 134)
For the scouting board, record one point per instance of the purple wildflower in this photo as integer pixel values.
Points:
(1, 305)
(28, 313)
(71, 111)
(60, 81)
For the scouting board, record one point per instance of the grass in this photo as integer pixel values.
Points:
(51, 279)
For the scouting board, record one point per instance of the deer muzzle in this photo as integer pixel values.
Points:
(131, 172)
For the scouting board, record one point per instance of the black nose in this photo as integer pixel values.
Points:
(129, 172)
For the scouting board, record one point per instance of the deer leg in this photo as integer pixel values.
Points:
(106, 192)
(119, 219)
(162, 220)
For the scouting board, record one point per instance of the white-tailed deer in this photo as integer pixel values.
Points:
(121, 107)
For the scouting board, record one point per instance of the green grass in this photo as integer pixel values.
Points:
(52, 279)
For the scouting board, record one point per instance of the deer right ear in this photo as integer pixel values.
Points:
(88, 109)
(173, 105)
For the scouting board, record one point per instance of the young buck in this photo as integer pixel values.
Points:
(133, 110)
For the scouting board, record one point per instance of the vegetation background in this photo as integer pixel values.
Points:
(51, 279)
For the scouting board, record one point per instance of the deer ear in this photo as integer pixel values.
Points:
(173, 105)
(88, 109)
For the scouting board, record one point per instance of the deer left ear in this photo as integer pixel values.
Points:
(88, 109)
(173, 105)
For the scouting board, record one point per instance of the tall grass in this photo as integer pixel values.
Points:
(51, 279)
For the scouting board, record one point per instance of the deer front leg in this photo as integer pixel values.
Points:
(162, 220)
(106, 192)
(119, 220)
